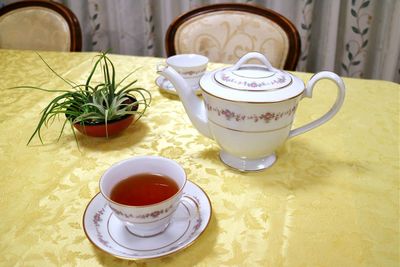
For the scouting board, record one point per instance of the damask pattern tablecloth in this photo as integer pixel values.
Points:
(331, 199)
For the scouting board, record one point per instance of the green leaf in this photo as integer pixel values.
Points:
(365, 4)
(355, 30)
(364, 44)
(364, 32)
(113, 87)
(354, 13)
(355, 63)
(347, 47)
(129, 74)
(92, 72)
(344, 67)
(353, 2)
(59, 76)
(350, 56)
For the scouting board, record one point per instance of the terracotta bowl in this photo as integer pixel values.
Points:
(99, 130)
(114, 127)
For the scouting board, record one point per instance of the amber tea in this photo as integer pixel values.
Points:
(144, 189)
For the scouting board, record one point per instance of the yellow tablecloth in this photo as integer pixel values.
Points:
(331, 199)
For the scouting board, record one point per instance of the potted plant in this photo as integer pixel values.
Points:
(100, 109)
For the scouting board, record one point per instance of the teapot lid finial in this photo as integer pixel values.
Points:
(252, 77)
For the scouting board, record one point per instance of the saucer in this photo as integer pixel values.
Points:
(168, 87)
(110, 235)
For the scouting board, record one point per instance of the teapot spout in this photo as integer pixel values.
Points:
(193, 105)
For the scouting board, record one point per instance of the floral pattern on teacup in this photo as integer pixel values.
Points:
(153, 215)
(191, 73)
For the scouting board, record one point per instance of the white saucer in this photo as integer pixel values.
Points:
(109, 234)
(168, 87)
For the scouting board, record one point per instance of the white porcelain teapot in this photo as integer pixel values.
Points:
(248, 109)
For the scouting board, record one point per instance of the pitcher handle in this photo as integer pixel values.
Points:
(334, 109)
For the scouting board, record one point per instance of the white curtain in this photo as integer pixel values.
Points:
(357, 38)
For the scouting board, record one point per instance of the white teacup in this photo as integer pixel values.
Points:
(150, 219)
(190, 66)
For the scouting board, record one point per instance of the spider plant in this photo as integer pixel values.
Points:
(93, 102)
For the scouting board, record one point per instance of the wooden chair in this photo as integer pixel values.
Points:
(225, 32)
(39, 25)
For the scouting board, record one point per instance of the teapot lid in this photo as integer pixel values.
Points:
(252, 82)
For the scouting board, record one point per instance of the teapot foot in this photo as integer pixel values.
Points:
(244, 164)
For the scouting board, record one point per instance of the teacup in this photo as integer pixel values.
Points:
(144, 220)
(190, 66)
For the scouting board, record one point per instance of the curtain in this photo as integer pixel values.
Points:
(354, 38)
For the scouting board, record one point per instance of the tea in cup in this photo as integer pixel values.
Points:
(190, 66)
(143, 192)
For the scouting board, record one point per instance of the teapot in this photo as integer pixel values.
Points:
(248, 109)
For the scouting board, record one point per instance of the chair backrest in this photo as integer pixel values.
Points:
(39, 25)
(225, 32)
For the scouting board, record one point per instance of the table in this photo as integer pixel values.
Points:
(331, 199)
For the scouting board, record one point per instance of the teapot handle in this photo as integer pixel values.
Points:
(253, 55)
(334, 109)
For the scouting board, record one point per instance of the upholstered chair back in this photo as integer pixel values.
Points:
(225, 32)
(39, 25)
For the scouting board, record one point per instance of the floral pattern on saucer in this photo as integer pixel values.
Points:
(107, 233)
